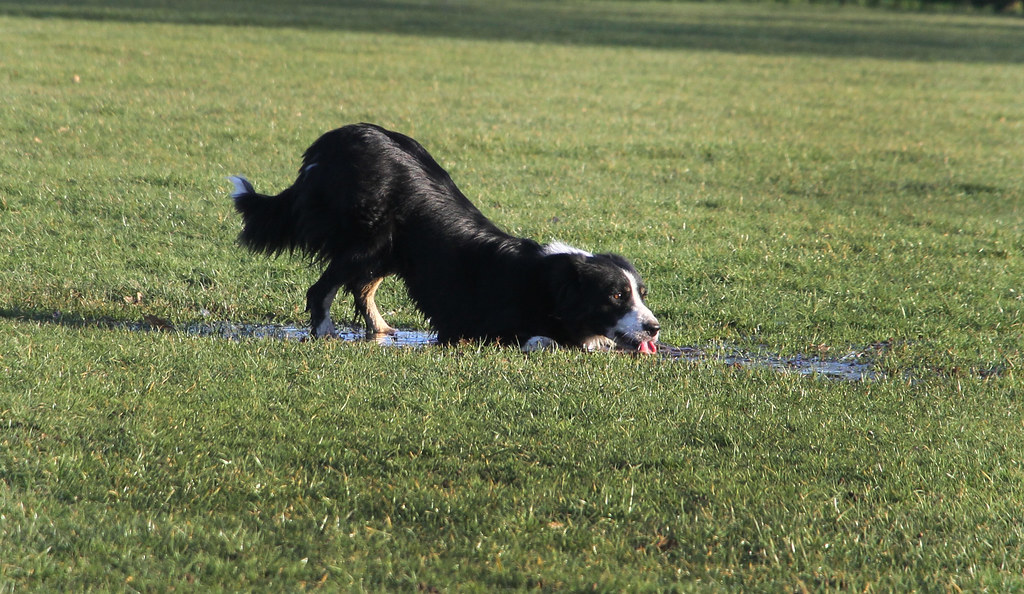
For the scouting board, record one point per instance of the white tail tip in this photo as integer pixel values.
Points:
(242, 186)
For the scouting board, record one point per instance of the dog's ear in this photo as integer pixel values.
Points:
(563, 280)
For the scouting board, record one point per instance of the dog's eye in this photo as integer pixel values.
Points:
(643, 292)
(617, 296)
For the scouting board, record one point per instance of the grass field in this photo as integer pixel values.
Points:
(800, 180)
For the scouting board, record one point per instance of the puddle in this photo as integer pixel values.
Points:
(851, 367)
(232, 331)
(854, 366)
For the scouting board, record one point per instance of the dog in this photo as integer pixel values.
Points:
(369, 203)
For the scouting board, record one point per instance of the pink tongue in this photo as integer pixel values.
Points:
(648, 347)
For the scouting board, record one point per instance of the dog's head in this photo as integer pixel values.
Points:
(601, 295)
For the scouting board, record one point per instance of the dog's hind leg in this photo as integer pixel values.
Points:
(319, 298)
(367, 307)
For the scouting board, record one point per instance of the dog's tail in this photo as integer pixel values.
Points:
(268, 222)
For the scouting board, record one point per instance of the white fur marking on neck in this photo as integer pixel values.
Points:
(557, 247)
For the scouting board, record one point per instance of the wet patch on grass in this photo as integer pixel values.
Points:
(856, 365)
(233, 331)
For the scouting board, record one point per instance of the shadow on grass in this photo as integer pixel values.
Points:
(734, 28)
(213, 329)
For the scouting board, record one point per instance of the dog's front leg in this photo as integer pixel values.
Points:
(599, 343)
(539, 343)
(542, 343)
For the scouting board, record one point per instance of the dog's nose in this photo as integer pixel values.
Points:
(652, 327)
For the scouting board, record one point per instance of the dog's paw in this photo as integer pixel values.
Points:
(599, 343)
(324, 329)
(539, 343)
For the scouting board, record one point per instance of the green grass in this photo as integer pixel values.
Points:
(799, 179)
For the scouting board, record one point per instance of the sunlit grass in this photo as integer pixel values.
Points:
(786, 178)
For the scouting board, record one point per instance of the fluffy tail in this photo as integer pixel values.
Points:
(268, 222)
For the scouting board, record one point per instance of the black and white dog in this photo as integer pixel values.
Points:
(370, 203)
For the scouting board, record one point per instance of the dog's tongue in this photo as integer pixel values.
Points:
(648, 347)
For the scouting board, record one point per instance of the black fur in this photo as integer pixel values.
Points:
(370, 203)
